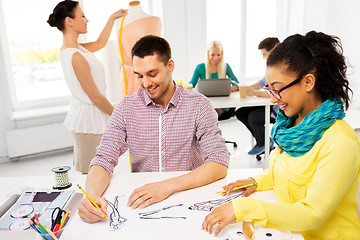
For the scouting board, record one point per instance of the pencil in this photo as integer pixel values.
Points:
(51, 234)
(92, 201)
(236, 188)
(60, 231)
(61, 224)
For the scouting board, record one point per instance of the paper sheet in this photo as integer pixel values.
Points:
(174, 212)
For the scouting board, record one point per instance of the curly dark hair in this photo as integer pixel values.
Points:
(61, 11)
(316, 53)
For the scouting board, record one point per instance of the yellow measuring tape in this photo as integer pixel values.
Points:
(123, 68)
(122, 55)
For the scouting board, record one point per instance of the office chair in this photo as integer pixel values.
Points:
(233, 143)
(258, 157)
(225, 116)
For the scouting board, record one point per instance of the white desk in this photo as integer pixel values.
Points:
(126, 183)
(234, 100)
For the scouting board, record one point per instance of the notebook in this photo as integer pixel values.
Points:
(215, 87)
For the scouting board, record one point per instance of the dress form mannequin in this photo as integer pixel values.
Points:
(137, 24)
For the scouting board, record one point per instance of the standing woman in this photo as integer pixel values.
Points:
(84, 73)
(315, 169)
(216, 67)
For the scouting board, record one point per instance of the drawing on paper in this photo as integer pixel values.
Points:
(208, 206)
(150, 215)
(116, 220)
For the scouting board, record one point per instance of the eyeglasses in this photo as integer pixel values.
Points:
(276, 93)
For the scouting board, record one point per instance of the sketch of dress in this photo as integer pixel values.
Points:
(116, 221)
(209, 205)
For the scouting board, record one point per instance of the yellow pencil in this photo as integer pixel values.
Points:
(92, 201)
(64, 219)
(236, 188)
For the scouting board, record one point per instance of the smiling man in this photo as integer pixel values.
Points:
(166, 127)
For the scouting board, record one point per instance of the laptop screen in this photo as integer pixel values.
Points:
(215, 87)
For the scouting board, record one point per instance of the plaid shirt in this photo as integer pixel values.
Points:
(180, 137)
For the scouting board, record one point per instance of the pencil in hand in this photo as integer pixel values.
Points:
(92, 201)
(240, 187)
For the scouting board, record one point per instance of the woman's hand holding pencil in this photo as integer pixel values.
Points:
(249, 184)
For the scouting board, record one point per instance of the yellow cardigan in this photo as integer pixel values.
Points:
(316, 192)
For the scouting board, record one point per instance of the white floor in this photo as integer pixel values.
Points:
(232, 130)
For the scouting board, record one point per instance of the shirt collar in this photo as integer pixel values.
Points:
(179, 90)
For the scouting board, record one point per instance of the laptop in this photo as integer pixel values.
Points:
(215, 87)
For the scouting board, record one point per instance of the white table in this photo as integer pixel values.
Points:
(126, 183)
(234, 100)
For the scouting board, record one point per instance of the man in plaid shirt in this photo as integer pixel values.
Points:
(166, 128)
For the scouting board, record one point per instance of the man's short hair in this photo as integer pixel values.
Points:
(151, 45)
(268, 43)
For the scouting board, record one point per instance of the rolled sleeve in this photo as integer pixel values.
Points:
(113, 143)
(211, 142)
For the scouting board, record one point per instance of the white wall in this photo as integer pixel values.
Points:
(185, 29)
(344, 19)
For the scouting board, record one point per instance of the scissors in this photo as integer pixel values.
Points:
(56, 216)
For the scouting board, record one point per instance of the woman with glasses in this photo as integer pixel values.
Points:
(314, 171)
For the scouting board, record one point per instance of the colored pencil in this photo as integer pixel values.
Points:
(51, 234)
(92, 201)
(236, 188)
(56, 228)
(36, 216)
(60, 231)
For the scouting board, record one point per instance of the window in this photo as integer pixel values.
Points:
(33, 49)
(240, 26)
(223, 24)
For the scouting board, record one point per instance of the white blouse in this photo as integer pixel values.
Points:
(84, 116)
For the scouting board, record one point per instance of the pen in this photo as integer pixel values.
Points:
(92, 201)
(236, 188)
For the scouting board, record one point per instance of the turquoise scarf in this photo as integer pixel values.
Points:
(298, 140)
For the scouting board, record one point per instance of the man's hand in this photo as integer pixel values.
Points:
(89, 213)
(149, 194)
(223, 215)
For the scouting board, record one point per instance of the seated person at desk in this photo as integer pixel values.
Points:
(315, 169)
(254, 117)
(215, 67)
(186, 122)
